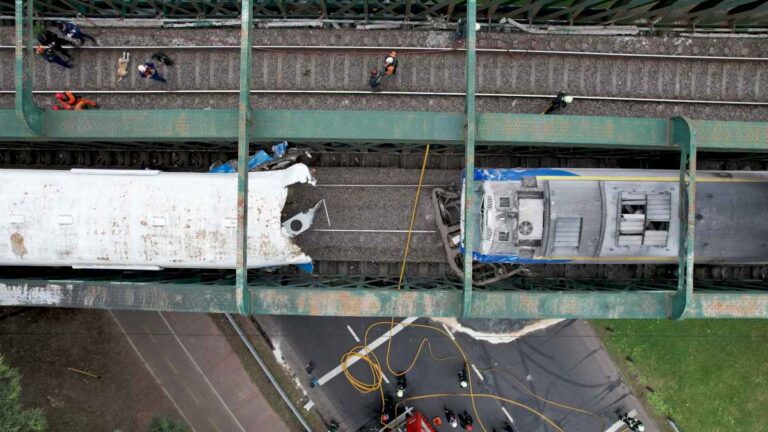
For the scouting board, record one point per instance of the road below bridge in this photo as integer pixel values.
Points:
(563, 362)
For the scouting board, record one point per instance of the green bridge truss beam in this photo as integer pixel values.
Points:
(376, 127)
(470, 138)
(731, 13)
(358, 298)
(244, 127)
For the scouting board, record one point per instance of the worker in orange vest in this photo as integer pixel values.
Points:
(68, 101)
(390, 63)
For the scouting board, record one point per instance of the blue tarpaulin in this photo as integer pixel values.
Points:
(260, 158)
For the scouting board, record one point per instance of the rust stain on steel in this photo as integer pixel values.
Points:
(749, 307)
(182, 125)
(339, 303)
(17, 245)
(529, 304)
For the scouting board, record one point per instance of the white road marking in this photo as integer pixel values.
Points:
(170, 365)
(308, 406)
(149, 334)
(620, 424)
(151, 372)
(216, 428)
(328, 218)
(357, 339)
(372, 346)
(202, 374)
(447, 330)
(197, 401)
(477, 371)
(506, 413)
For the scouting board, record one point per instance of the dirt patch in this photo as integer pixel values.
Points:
(44, 343)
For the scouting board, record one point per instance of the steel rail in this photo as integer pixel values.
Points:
(269, 375)
(380, 185)
(406, 93)
(371, 231)
(420, 49)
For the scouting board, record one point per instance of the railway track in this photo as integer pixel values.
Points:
(368, 212)
(207, 76)
(430, 78)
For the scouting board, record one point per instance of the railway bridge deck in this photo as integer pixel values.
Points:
(475, 97)
(328, 69)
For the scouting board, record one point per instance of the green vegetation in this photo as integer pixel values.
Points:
(13, 417)
(164, 424)
(708, 375)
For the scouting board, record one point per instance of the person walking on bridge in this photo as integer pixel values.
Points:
(163, 58)
(73, 32)
(390, 64)
(148, 70)
(69, 101)
(51, 57)
(49, 40)
(375, 80)
(561, 101)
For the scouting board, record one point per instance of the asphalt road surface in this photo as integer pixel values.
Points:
(563, 363)
(198, 371)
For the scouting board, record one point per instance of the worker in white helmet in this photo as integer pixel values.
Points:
(148, 70)
(560, 101)
(390, 64)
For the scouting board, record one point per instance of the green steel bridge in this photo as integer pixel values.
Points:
(733, 14)
(242, 293)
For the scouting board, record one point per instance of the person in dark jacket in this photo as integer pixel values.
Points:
(73, 32)
(50, 56)
(375, 80)
(466, 421)
(50, 40)
(162, 58)
(450, 417)
(561, 101)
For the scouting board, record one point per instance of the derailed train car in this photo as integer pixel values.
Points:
(608, 216)
(145, 219)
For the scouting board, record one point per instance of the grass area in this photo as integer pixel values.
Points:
(260, 379)
(708, 375)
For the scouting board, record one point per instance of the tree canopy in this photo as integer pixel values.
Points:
(13, 417)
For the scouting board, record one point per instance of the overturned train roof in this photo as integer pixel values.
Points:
(143, 220)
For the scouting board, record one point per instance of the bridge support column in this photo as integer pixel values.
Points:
(27, 113)
(470, 131)
(244, 134)
(683, 134)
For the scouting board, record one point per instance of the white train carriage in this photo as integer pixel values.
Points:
(143, 220)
